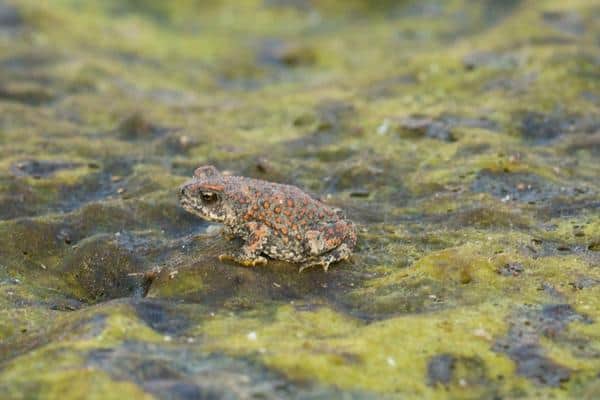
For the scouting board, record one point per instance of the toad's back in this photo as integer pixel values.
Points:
(285, 208)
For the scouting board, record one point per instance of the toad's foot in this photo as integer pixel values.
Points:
(228, 233)
(314, 264)
(243, 260)
(341, 253)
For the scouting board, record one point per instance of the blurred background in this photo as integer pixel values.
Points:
(461, 136)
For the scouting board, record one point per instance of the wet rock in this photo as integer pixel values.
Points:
(522, 343)
(589, 143)
(179, 143)
(441, 287)
(265, 168)
(41, 168)
(288, 54)
(137, 127)
(227, 286)
(486, 217)
(30, 239)
(389, 87)
(88, 328)
(417, 127)
(165, 215)
(523, 187)
(436, 131)
(66, 304)
(440, 128)
(547, 248)
(591, 97)
(511, 84)
(99, 269)
(99, 217)
(364, 173)
(584, 282)
(469, 150)
(263, 165)
(330, 120)
(304, 119)
(360, 193)
(511, 269)
(28, 93)
(84, 183)
(434, 259)
(565, 22)
(241, 71)
(537, 367)
(554, 319)
(184, 373)
(181, 390)
(565, 206)
(440, 369)
(18, 199)
(538, 129)
(301, 5)
(162, 316)
(10, 17)
(488, 59)
(496, 11)
(448, 369)
(65, 235)
(155, 11)
(470, 122)
(333, 115)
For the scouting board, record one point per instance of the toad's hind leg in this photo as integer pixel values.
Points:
(333, 243)
(343, 252)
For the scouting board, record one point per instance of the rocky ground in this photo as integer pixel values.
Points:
(462, 137)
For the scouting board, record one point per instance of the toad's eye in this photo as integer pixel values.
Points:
(208, 197)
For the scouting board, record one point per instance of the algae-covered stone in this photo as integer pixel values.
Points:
(100, 269)
(461, 137)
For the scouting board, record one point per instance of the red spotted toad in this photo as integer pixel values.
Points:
(279, 221)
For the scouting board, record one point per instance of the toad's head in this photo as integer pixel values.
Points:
(204, 195)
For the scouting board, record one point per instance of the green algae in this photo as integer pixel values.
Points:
(350, 354)
(477, 226)
(50, 369)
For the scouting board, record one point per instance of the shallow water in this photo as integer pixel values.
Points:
(462, 137)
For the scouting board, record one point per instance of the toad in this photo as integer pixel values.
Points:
(274, 220)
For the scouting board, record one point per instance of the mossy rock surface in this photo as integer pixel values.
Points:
(462, 138)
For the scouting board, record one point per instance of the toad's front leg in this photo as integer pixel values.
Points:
(228, 233)
(250, 254)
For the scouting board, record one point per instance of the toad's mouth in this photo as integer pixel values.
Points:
(195, 206)
(191, 206)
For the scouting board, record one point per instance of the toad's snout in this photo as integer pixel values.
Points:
(182, 190)
(186, 189)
